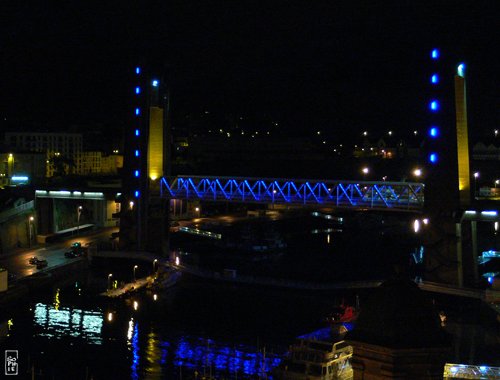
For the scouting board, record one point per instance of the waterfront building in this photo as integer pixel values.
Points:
(62, 150)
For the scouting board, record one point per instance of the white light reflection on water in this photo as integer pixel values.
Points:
(66, 321)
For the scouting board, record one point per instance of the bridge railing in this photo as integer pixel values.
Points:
(352, 194)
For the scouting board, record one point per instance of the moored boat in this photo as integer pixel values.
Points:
(321, 355)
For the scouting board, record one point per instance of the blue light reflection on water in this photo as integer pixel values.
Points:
(199, 353)
(135, 353)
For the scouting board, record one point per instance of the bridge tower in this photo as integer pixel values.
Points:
(143, 213)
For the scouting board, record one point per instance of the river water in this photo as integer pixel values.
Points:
(206, 328)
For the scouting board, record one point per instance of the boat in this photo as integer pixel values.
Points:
(322, 355)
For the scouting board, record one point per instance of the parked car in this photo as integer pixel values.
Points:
(41, 264)
(33, 260)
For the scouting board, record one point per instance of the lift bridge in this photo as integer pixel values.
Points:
(396, 196)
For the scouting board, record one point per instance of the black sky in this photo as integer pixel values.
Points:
(332, 65)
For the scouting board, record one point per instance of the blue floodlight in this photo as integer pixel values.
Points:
(137, 193)
(435, 79)
(136, 173)
(433, 158)
(137, 70)
(461, 70)
(136, 153)
(137, 132)
(435, 54)
(137, 90)
(155, 83)
(137, 111)
(434, 132)
(434, 105)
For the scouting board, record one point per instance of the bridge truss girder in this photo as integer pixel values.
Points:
(406, 196)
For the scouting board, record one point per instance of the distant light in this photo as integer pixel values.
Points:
(131, 205)
(155, 83)
(434, 106)
(461, 70)
(417, 172)
(434, 132)
(137, 111)
(435, 54)
(155, 297)
(435, 79)
(136, 173)
(389, 133)
(136, 305)
(476, 175)
(425, 221)
(136, 153)
(136, 194)
(365, 133)
(137, 132)
(490, 280)
(19, 178)
(110, 317)
(489, 213)
(137, 90)
(177, 260)
(416, 225)
(137, 70)
(433, 158)
(365, 170)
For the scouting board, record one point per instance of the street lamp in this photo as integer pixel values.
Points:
(78, 213)
(135, 267)
(497, 181)
(476, 176)
(109, 280)
(30, 227)
(365, 171)
(154, 264)
(417, 172)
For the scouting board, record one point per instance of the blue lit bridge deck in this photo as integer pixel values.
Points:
(397, 196)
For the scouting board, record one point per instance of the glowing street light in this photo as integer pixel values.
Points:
(30, 228)
(109, 280)
(135, 267)
(417, 172)
(365, 171)
(154, 265)
(136, 305)
(497, 181)
(79, 213)
(476, 176)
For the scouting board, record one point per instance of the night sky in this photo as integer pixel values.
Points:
(335, 65)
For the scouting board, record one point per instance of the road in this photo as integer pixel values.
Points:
(18, 264)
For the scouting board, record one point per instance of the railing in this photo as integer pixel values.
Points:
(408, 196)
(7, 214)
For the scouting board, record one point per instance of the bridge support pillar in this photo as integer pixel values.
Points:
(460, 269)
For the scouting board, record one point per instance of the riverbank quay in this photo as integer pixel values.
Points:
(42, 280)
(489, 297)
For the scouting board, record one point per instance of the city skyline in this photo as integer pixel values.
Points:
(339, 68)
